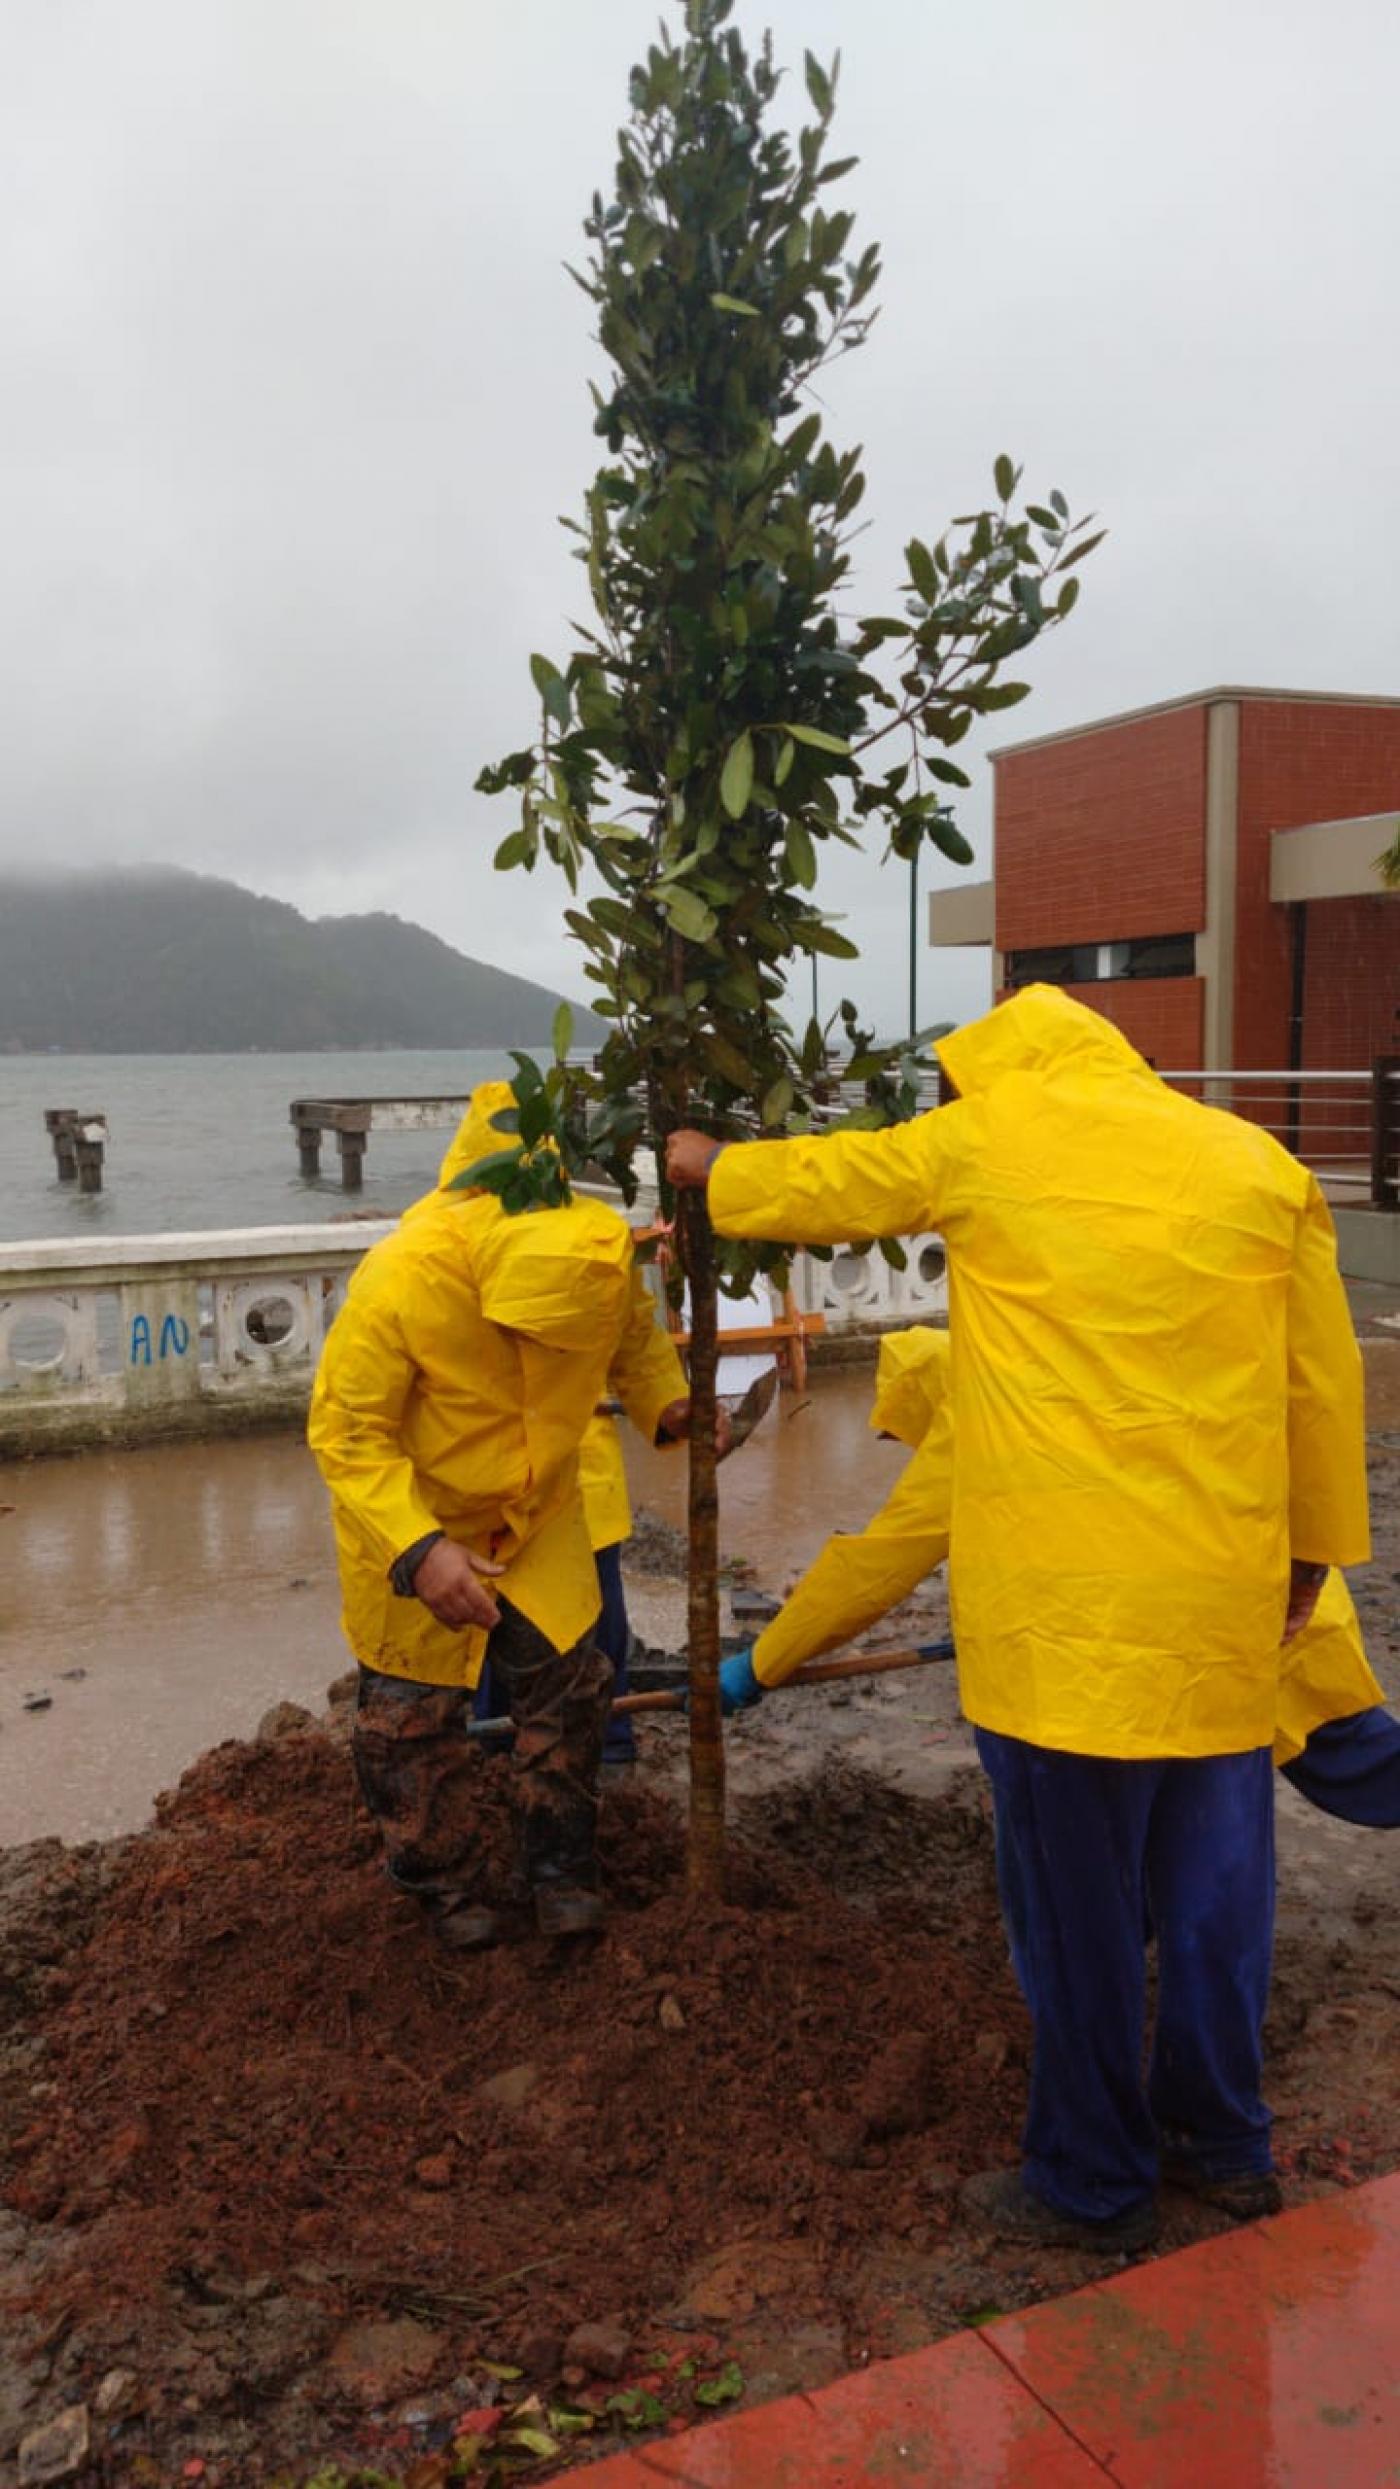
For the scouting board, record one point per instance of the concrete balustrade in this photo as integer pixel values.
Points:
(147, 1338)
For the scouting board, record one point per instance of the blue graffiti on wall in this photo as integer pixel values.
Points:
(174, 1339)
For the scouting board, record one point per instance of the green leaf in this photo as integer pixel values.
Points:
(688, 913)
(1003, 695)
(801, 854)
(725, 2388)
(818, 84)
(1088, 546)
(815, 934)
(1067, 599)
(535, 2441)
(1004, 473)
(777, 1102)
(951, 841)
(1059, 505)
(736, 782)
(516, 849)
(552, 688)
(486, 1171)
(563, 1032)
(731, 302)
(819, 739)
(892, 1251)
(788, 753)
(923, 570)
(637, 2409)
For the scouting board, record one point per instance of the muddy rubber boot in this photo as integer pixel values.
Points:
(1253, 2195)
(567, 1909)
(1003, 2204)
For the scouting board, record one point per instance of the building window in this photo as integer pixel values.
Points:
(1099, 963)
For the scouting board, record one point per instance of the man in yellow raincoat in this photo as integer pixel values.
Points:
(1156, 1394)
(650, 1381)
(455, 1388)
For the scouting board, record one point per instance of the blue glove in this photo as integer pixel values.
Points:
(739, 1688)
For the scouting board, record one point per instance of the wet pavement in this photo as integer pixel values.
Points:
(194, 1586)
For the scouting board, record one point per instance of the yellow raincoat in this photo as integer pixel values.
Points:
(1156, 1389)
(1324, 1673)
(647, 1373)
(453, 1393)
(856, 1579)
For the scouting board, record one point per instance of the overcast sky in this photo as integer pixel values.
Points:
(292, 387)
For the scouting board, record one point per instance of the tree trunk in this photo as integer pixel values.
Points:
(705, 1853)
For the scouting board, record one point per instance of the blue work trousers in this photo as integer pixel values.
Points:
(612, 1635)
(1090, 1852)
(1351, 1768)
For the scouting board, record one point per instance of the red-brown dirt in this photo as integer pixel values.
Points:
(293, 2177)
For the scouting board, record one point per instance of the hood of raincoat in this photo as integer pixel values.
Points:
(561, 1277)
(476, 1136)
(1039, 1030)
(911, 1383)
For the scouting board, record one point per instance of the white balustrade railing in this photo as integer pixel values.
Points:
(143, 1337)
(149, 1336)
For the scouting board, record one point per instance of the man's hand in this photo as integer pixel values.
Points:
(689, 1158)
(674, 1424)
(449, 1583)
(1304, 1590)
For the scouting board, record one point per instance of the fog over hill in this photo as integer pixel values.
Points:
(155, 960)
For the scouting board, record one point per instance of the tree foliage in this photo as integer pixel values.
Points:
(721, 718)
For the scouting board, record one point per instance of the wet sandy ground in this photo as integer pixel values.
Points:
(195, 1586)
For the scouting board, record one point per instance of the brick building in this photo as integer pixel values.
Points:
(1203, 873)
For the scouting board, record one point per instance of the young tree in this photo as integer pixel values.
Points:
(722, 717)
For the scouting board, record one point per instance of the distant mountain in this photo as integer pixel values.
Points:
(154, 960)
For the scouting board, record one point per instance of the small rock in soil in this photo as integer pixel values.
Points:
(377, 2361)
(115, 2394)
(603, 2348)
(510, 2089)
(283, 1720)
(56, 2452)
(38, 1702)
(72, 1676)
(669, 2014)
(434, 2171)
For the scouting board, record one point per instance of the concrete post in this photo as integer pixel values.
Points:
(352, 1147)
(309, 1149)
(89, 1142)
(58, 1123)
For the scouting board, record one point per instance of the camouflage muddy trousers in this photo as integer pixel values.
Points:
(417, 1767)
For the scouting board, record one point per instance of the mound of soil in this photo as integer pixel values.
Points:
(262, 2081)
(287, 2186)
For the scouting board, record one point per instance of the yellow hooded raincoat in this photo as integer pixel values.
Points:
(1156, 1389)
(454, 1390)
(646, 1374)
(856, 1580)
(1324, 1673)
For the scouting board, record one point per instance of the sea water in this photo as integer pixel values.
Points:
(204, 1140)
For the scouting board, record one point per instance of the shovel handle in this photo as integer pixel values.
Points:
(816, 1672)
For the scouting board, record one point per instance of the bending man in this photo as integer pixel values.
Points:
(453, 1394)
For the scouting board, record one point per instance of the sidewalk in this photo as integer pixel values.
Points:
(1265, 2359)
